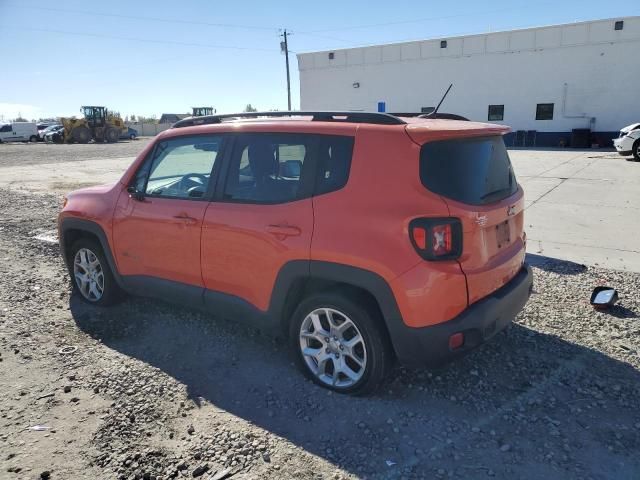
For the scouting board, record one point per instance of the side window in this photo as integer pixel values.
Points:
(5, 128)
(334, 162)
(268, 168)
(180, 167)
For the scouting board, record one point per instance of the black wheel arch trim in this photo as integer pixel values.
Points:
(367, 280)
(94, 229)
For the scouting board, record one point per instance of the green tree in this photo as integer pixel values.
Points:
(143, 119)
(132, 118)
(250, 108)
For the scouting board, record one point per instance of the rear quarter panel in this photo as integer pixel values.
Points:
(366, 225)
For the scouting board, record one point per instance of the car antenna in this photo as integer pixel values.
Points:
(441, 100)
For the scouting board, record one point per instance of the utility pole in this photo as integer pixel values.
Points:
(284, 46)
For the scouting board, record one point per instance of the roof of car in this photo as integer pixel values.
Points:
(420, 129)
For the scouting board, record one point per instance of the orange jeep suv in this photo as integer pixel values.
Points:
(366, 237)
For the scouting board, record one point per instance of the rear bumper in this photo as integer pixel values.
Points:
(479, 322)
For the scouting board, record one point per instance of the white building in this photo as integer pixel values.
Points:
(546, 81)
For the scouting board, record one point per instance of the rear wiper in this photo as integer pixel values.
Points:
(496, 192)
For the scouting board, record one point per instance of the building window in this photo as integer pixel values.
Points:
(443, 44)
(331, 55)
(496, 112)
(544, 111)
(619, 25)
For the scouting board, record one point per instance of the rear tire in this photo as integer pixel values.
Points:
(636, 151)
(91, 275)
(33, 138)
(339, 344)
(81, 134)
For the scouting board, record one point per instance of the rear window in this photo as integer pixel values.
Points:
(475, 171)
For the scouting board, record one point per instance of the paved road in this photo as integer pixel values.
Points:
(581, 205)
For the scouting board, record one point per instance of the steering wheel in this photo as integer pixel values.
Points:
(187, 183)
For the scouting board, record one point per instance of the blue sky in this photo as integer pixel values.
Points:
(148, 57)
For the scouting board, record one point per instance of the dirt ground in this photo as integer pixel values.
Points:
(146, 390)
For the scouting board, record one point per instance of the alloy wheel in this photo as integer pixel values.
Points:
(88, 274)
(333, 348)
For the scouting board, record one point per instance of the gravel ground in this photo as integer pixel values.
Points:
(153, 391)
(40, 152)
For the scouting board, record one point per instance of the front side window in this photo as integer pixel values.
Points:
(180, 167)
(496, 113)
(5, 128)
(544, 111)
(268, 168)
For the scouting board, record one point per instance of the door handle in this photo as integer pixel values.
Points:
(186, 218)
(283, 230)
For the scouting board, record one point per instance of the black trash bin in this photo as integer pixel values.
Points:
(581, 138)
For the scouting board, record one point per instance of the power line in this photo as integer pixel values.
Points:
(458, 33)
(134, 39)
(341, 40)
(421, 20)
(152, 19)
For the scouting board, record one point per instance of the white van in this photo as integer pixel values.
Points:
(19, 132)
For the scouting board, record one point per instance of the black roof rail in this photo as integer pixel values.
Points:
(316, 116)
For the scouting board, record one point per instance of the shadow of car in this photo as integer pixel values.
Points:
(526, 389)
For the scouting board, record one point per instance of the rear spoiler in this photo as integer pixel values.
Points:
(443, 115)
(422, 132)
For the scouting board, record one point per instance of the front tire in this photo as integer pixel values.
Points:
(339, 343)
(91, 275)
(636, 151)
(81, 134)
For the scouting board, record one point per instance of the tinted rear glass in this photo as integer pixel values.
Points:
(474, 171)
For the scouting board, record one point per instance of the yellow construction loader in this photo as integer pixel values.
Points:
(98, 124)
(203, 111)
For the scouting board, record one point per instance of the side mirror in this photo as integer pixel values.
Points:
(603, 297)
(135, 193)
(291, 168)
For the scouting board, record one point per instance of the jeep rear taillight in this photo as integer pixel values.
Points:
(436, 238)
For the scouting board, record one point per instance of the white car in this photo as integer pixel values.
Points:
(41, 128)
(628, 143)
(50, 129)
(54, 134)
